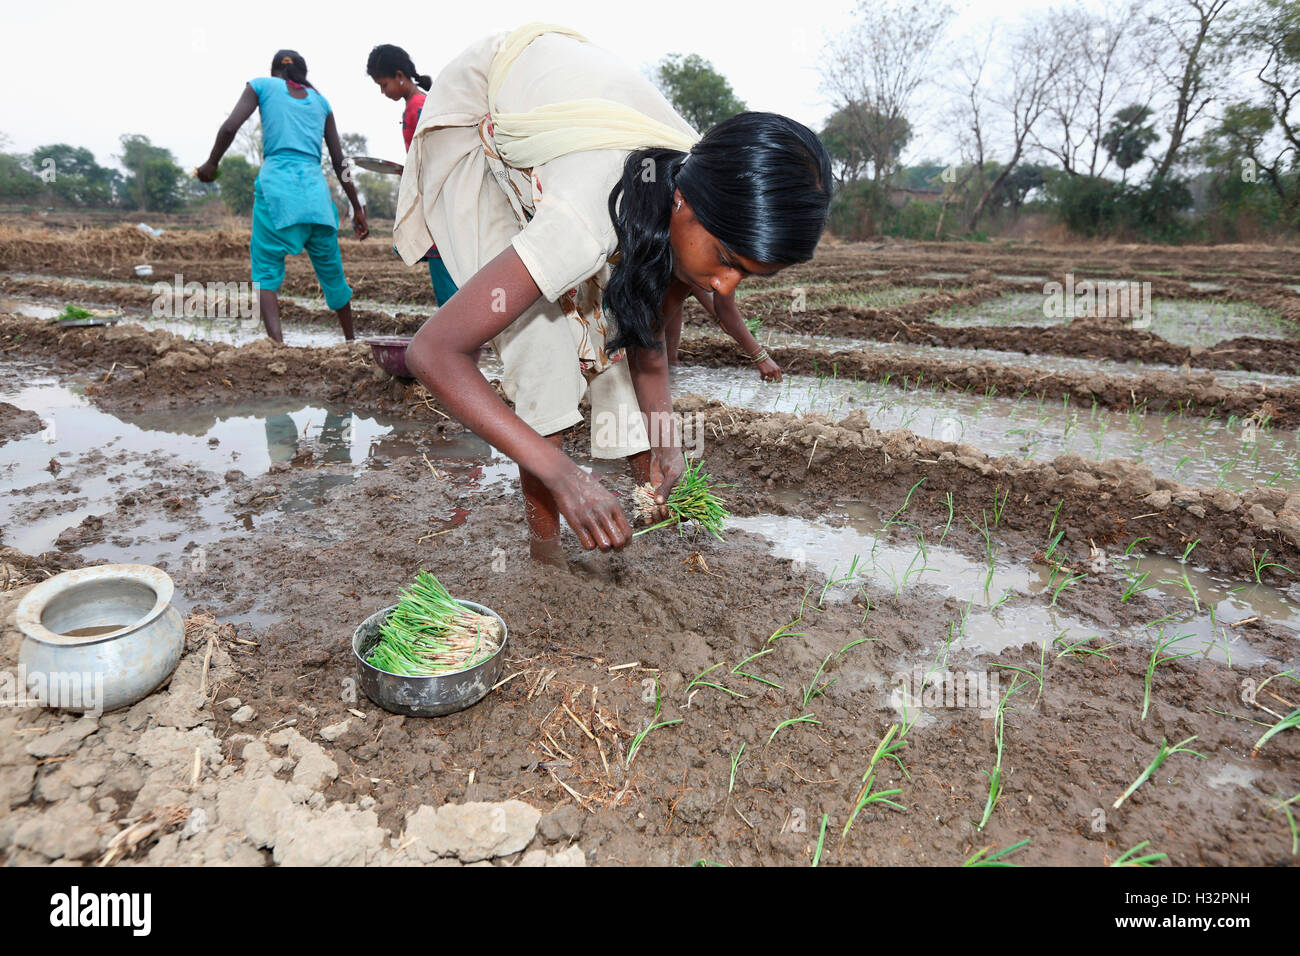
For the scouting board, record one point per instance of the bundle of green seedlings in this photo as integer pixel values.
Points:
(430, 633)
(692, 499)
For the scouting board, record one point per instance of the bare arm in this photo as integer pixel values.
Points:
(226, 133)
(441, 357)
(359, 225)
(726, 314)
(649, 371)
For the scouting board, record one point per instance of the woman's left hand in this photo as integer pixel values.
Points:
(666, 468)
(206, 173)
(359, 224)
(769, 371)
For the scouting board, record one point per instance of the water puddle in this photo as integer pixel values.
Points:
(1006, 604)
(1194, 449)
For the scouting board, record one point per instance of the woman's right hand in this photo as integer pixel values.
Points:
(206, 173)
(592, 512)
(359, 224)
(769, 371)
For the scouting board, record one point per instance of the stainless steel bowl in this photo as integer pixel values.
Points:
(100, 638)
(424, 696)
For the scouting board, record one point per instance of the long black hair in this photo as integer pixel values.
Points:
(759, 182)
(387, 60)
(290, 65)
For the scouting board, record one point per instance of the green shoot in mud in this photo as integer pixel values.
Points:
(701, 682)
(999, 506)
(1066, 583)
(821, 840)
(735, 765)
(1077, 649)
(813, 690)
(833, 582)
(996, 859)
(653, 724)
(1285, 807)
(805, 719)
(1155, 661)
(762, 680)
(895, 739)
(1261, 564)
(692, 499)
(995, 775)
(1130, 858)
(1137, 584)
(948, 524)
(1183, 581)
(428, 633)
(1163, 754)
(1286, 723)
(990, 549)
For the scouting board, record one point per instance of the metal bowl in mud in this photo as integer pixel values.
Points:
(425, 696)
(88, 321)
(390, 354)
(99, 638)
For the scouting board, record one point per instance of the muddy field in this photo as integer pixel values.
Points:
(966, 535)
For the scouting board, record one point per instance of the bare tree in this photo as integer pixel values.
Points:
(1102, 73)
(1187, 45)
(1023, 97)
(873, 72)
(967, 116)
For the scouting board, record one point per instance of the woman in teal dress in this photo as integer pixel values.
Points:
(292, 207)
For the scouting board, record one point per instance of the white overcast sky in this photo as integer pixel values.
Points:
(86, 72)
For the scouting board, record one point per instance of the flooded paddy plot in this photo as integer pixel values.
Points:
(1006, 603)
(1217, 452)
(1195, 322)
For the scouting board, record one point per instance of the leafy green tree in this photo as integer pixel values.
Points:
(154, 181)
(1129, 136)
(16, 181)
(696, 90)
(71, 175)
(238, 177)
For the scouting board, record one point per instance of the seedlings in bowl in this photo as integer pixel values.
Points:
(430, 633)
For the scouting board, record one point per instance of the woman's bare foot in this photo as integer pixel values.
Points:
(548, 551)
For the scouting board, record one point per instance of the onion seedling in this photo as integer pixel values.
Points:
(995, 775)
(1290, 720)
(692, 499)
(735, 764)
(1127, 858)
(888, 747)
(1183, 580)
(1155, 661)
(1162, 755)
(805, 719)
(762, 680)
(1262, 564)
(701, 682)
(652, 725)
(821, 840)
(997, 859)
(1285, 807)
(430, 633)
(812, 690)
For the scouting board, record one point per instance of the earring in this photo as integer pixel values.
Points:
(678, 207)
